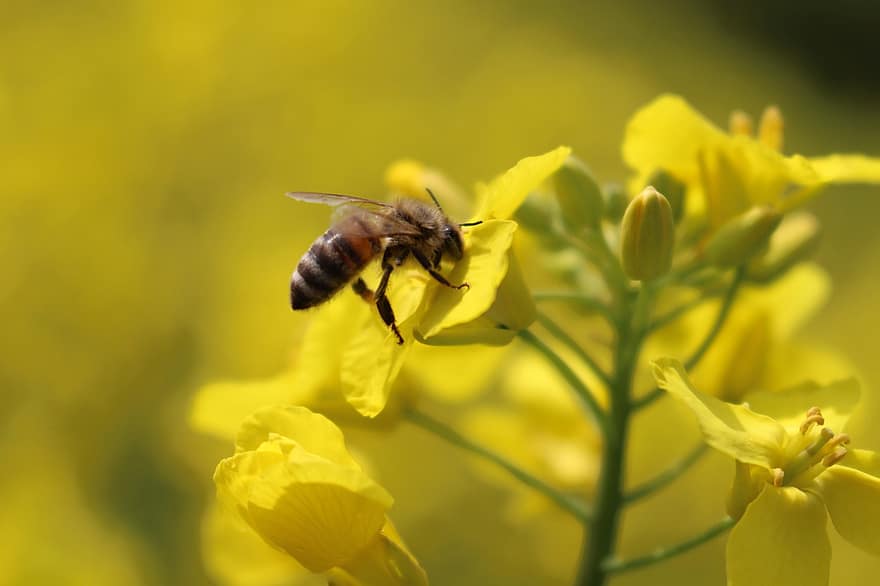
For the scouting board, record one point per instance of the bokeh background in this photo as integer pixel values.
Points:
(146, 245)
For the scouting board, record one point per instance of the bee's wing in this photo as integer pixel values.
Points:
(373, 223)
(335, 199)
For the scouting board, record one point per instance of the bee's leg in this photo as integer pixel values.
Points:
(363, 291)
(390, 260)
(437, 276)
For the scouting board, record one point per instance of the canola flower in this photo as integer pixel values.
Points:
(791, 474)
(706, 259)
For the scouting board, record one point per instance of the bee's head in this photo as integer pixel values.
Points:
(453, 245)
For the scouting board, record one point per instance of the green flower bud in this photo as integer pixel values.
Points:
(579, 196)
(794, 241)
(743, 237)
(536, 214)
(615, 201)
(647, 236)
(672, 189)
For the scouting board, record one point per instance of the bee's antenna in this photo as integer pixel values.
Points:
(466, 224)
(434, 197)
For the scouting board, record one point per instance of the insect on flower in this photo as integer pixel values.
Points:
(365, 229)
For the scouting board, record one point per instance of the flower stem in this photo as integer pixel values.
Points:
(600, 538)
(720, 319)
(664, 478)
(618, 566)
(569, 504)
(584, 393)
(561, 335)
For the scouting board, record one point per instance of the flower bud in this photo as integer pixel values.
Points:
(537, 214)
(672, 189)
(741, 238)
(615, 201)
(579, 196)
(647, 236)
(794, 241)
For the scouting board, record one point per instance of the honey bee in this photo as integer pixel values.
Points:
(366, 229)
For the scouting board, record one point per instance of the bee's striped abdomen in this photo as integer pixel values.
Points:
(332, 261)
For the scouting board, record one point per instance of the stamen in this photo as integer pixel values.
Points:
(825, 436)
(814, 417)
(778, 476)
(834, 457)
(770, 128)
(740, 124)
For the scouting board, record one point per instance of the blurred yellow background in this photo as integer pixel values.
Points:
(146, 245)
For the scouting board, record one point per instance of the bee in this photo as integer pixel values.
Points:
(366, 230)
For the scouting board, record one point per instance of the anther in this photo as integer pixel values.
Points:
(834, 457)
(740, 124)
(814, 417)
(778, 476)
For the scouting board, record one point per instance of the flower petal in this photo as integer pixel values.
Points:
(668, 134)
(387, 561)
(320, 513)
(483, 268)
(780, 540)
(853, 501)
(315, 433)
(733, 429)
(504, 194)
(236, 556)
(847, 168)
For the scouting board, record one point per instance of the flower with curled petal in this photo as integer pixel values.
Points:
(792, 472)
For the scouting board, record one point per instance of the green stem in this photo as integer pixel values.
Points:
(570, 504)
(561, 335)
(664, 478)
(601, 537)
(584, 393)
(589, 302)
(720, 319)
(618, 566)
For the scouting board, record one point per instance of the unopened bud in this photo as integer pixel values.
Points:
(770, 131)
(647, 236)
(741, 238)
(615, 201)
(537, 213)
(672, 189)
(579, 196)
(795, 240)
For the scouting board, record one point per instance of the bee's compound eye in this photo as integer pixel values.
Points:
(453, 243)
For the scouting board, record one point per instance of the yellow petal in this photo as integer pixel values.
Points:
(236, 556)
(668, 134)
(837, 401)
(847, 168)
(733, 429)
(503, 195)
(320, 513)
(372, 358)
(479, 331)
(218, 408)
(780, 540)
(863, 460)
(315, 433)
(430, 367)
(387, 561)
(853, 501)
(483, 268)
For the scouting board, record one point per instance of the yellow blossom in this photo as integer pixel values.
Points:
(793, 469)
(293, 481)
(726, 174)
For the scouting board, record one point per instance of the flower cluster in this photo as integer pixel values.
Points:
(703, 258)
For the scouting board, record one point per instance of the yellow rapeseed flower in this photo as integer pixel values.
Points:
(726, 174)
(293, 481)
(792, 472)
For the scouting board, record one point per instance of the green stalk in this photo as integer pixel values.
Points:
(619, 566)
(600, 538)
